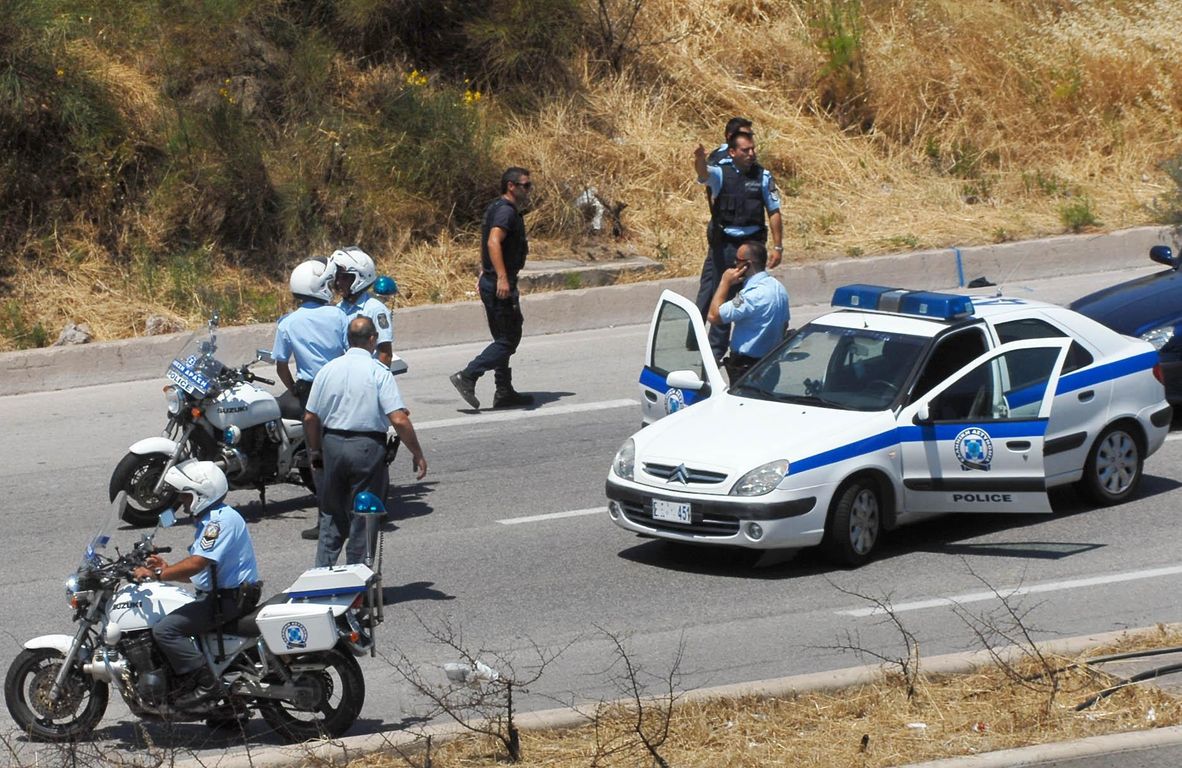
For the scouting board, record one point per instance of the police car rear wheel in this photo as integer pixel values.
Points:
(855, 523)
(1114, 466)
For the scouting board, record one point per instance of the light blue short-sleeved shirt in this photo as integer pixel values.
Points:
(222, 537)
(313, 335)
(355, 393)
(771, 197)
(373, 309)
(759, 314)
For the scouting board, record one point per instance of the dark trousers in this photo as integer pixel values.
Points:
(175, 634)
(737, 365)
(719, 258)
(504, 323)
(352, 464)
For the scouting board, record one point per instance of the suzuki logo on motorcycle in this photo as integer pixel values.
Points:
(295, 635)
(231, 409)
(680, 475)
(127, 604)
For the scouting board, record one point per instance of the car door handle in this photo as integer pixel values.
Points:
(650, 396)
(1018, 445)
(1086, 395)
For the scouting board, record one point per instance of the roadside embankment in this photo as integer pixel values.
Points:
(436, 325)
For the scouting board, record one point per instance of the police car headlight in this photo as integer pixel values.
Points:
(761, 480)
(625, 460)
(172, 398)
(1159, 336)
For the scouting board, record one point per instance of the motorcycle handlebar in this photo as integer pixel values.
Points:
(163, 550)
(265, 381)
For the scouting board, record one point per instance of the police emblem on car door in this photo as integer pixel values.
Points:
(975, 442)
(679, 367)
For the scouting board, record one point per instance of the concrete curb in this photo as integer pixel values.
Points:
(954, 663)
(583, 309)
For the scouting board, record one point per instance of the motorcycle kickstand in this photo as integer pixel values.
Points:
(262, 499)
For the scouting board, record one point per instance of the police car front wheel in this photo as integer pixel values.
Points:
(855, 522)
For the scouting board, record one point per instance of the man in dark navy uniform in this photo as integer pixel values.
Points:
(503, 249)
(744, 206)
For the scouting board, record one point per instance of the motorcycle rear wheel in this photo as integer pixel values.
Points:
(137, 475)
(342, 689)
(26, 692)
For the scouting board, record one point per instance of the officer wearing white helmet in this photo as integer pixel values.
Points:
(313, 334)
(355, 274)
(222, 566)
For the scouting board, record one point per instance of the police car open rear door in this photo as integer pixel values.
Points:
(679, 369)
(975, 442)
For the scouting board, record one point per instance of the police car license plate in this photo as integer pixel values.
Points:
(672, 511)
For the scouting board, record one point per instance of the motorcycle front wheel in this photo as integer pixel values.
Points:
(137, 475)
(339, 692)
(27, 690)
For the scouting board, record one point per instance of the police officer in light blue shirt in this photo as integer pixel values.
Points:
(355, 273)
(758, 313)
(221, 546)
(311, 335)
(354, 400)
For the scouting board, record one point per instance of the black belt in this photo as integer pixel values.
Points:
(381, 436)
(241, 589)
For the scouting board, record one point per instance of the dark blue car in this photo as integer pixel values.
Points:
(1149, 308)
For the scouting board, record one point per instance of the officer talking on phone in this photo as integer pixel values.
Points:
(758, 313)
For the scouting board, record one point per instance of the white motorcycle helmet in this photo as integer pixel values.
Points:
(203, 479)
(357, 263)
(312, 280)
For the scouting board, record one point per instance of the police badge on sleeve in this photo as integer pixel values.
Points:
(209, 537)
(384, 321)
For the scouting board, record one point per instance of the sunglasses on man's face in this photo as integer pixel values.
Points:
(522, 184)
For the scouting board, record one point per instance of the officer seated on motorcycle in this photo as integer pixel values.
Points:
(222, 566)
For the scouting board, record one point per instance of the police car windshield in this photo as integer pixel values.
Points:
(845, 368)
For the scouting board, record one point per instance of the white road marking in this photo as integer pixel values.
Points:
(553, 516)
(1034, 589)
(484, 417)
(1174, 436)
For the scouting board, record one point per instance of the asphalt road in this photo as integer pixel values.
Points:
(482, 545)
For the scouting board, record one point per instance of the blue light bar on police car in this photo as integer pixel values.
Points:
(939, 306)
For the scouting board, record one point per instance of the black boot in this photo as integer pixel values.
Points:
(205, 687)
(311, 534)
(466, 386)
(506, 396)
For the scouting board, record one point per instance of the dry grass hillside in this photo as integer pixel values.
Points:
(170, 158)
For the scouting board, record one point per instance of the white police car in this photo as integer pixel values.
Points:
(895, 407)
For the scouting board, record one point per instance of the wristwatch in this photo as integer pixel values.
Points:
(159, 572)
(779, 248)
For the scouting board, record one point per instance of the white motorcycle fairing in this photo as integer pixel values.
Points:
(243, 405)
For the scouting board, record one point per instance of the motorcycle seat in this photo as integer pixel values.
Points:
(289, 407)
(246, 624)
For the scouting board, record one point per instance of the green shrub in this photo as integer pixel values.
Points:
(843, 88)
(1077, 214)
(1167, 209)
(16, 328)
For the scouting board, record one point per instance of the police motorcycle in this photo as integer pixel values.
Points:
(216, 413)
(291, 658)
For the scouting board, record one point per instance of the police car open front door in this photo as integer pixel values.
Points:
(677, 344)
(975, 442)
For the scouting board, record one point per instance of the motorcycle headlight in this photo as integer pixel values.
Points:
(76, 597)
(172, 397)
(762, 479)
(1159, 336)
(625, 460)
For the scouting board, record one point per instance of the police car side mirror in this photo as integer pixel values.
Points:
(684, 380)
(263, 356)
(922, 416)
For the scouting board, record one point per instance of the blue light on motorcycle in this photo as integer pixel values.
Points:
(366, 503)
(385, 286)
(232, 435)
